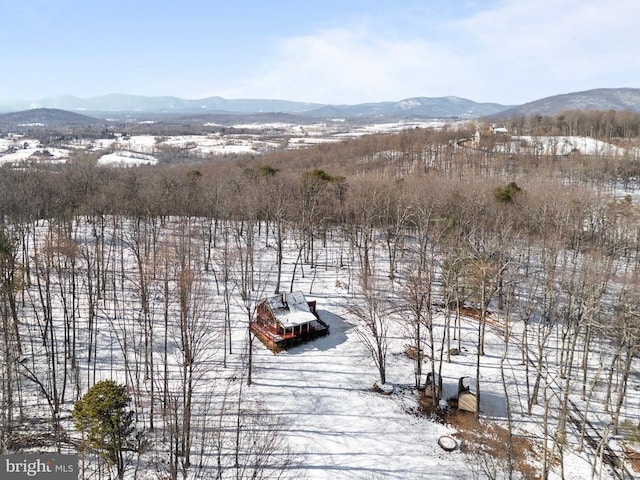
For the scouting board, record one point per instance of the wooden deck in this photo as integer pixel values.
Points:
(278, 342)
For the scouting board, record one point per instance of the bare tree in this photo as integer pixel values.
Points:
(195, 335)
(52, 376)
(11, 347)
(627, 340)
(372, 311)
(250, 284)
(417, 295)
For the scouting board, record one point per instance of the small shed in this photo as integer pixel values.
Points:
(284, 320)
(433, 386)
(467, 398)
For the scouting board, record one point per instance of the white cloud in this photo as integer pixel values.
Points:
(555, 45)
(346, 66)
(510, 52)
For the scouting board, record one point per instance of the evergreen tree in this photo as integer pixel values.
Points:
(102, 414)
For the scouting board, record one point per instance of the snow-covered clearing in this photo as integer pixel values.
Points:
(125, 158)
(395, 127)
(564, 145)
(17, 151)
(211, 144)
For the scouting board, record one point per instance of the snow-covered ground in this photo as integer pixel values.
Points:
(564, 145)
(336, 425)
(342, 429)
(123, 158)
(19, 150)
(395, 127)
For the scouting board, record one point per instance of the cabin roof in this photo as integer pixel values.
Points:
(293, 319)
(291, 310)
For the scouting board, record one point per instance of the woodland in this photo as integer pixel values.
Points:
(165, 264)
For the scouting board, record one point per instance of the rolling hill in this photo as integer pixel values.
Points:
(47, 117)
(597, 99)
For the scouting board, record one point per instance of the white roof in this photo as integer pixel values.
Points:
(291, 311)
(293, 319)
(297, 302)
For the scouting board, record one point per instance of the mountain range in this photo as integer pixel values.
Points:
(421, 106)
(418, 107)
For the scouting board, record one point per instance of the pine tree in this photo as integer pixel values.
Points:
(102, 414)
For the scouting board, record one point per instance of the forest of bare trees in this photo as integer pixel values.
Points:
(162, 254)
(605, 125)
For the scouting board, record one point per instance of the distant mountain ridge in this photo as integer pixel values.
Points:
(604, 99)
(424, 107)
(441, 107)
(137, 103)
(419, 106)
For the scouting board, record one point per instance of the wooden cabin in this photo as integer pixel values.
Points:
(467, 398)
(285, 320)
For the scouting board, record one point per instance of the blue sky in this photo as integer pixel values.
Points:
(325, 51)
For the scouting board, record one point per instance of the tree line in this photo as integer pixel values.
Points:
(605, 125)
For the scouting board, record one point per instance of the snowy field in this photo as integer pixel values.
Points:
(563, 145)
(20, 150)
(333, 424)
(126, 158)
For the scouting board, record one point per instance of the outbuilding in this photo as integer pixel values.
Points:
(433, 386)
(467, 398)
